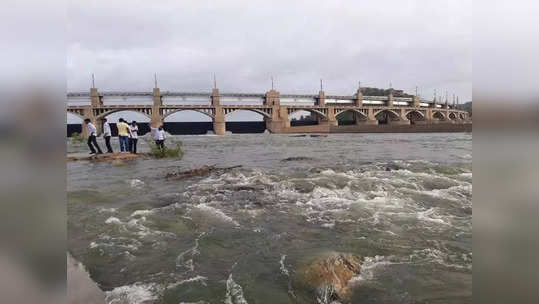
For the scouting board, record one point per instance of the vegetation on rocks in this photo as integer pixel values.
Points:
(77, 137)
(174, 151)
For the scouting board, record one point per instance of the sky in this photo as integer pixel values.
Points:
(244, 43)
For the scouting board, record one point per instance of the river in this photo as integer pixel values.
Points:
(402, 202)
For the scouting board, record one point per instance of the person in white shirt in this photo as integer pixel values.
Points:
(107, 134)
(133, 137)
(92, 137)
(159, 137)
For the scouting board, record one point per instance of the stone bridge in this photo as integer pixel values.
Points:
(277, 109)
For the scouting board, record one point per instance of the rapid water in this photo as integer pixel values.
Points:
(403, 202)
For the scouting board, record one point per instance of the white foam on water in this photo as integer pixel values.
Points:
(197, 279)
(142, 212)
(329, 225)
(216, 213)
(430, 215)
(368, 268)
(282, 267)
(185, 259)
(433, 255)
(234, 292)
(113, 220)
(136, 183)
(107, 210)
(138, 293)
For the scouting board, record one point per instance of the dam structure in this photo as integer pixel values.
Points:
(368, 113)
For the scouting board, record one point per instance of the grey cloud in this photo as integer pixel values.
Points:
(425, 43)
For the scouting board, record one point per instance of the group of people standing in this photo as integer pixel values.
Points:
(127, 136)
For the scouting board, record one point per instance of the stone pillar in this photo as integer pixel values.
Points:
(283, 114)
(415, 101)
(278, 114)
(215, 97)
(332, 120)
(403, 119)
(88, 113)
(95, 98)
(157, 119)
(359, 99)
(273, 98)
(279, 119)
(390, 98)
(371, 119)
(95, 102)
(321, 99)
(219, 122)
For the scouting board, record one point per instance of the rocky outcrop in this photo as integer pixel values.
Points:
(106, 157)
(330, 274)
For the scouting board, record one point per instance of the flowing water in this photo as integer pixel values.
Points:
(402, 202)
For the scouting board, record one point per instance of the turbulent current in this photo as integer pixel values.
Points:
(401, 202)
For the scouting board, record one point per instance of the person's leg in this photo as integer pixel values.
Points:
(94, 141)
(120, 140)
(107, 143)
(92, 150)
(135, 140)
(123, 143)
(130, 145)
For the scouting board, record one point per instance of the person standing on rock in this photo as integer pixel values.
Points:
(107, 134)
(159, 136)
(133, 132)
(123, 135)
(92, 137)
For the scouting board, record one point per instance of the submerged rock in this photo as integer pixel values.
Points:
(330, 274)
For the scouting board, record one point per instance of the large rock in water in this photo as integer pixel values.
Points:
(329, 275)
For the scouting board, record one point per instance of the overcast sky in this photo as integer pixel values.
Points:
(408, 43)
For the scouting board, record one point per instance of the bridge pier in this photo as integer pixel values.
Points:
(89, 113)
(219, 122)
(156, 119)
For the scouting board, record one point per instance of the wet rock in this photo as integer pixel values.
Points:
(202, 171)
(329, 275)
(318, 135)
(392, 167)
(296, 158)
(116, 158)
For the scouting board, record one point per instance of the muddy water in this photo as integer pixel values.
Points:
(402, 202)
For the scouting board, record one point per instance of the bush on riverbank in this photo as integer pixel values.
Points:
(174, 150)
(76, 137)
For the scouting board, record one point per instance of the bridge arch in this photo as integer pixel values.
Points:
(386, 116)
(351, 110)
(438, 115)
(415, 115)
(312, 111)
(261, 112)
(75, 115)
(462, 116)
(138, 113)
(206, 113)
(452, 116)
(356, 116)
(315, 116)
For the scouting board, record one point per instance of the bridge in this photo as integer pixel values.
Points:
(276, 109)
